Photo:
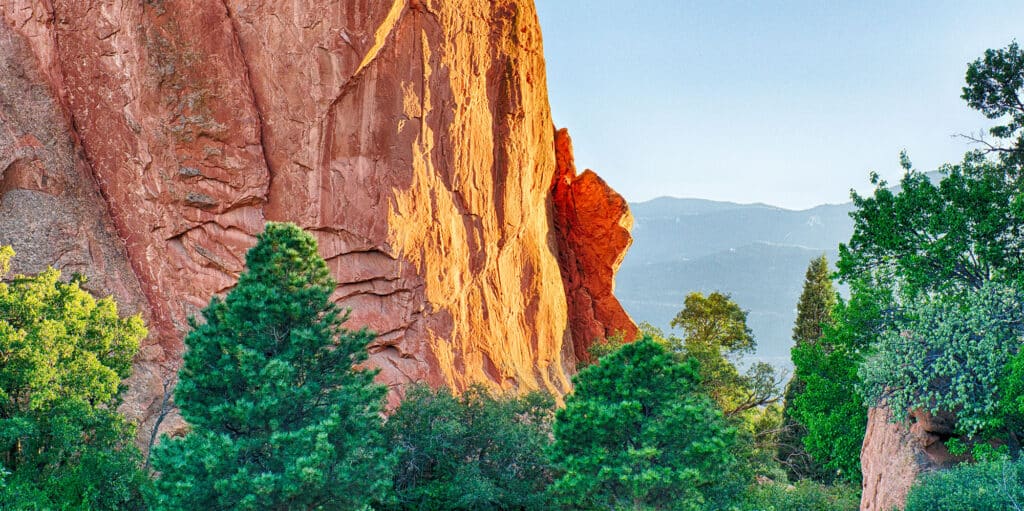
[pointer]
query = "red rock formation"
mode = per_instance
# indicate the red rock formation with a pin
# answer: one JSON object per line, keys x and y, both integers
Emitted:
{"x": 895, "y": 453}
{"x": 593, "y": 223}
{"x": 413, "y": 137}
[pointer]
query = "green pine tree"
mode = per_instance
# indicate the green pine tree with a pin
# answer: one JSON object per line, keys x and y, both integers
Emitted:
{"x": 281, "y": 418}
{"x": 640, "y": 433}
{"x": 63, "y": 355}
{"x": 814, "y": 311}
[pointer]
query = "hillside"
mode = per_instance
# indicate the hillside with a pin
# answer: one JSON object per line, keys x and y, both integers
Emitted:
{"x": 756, "y": 252}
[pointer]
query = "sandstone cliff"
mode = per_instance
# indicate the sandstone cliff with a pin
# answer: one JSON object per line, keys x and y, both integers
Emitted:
{"x": 145, "y": 143}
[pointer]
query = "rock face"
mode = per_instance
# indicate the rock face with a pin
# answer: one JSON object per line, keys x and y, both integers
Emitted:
{"x": 145, "y": 144}
{"x": 894, "y": 454}
{"x": 593, "y": 223}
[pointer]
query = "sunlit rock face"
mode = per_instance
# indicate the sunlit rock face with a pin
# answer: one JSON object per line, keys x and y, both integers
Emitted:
{"x": 894, "y": 454}
{"x": 145, "y": 144}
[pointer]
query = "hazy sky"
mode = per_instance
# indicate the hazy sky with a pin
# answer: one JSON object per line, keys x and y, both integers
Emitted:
{"x": 789, "y": 103}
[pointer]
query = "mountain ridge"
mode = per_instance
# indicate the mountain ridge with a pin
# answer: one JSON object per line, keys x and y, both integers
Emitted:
{"x": 756, "y": 252}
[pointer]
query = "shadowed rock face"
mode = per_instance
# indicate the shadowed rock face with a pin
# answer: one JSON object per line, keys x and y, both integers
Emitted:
{"x": 144, "y": 144}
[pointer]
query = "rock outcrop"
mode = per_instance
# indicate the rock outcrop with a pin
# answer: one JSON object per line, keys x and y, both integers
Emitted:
{"x": 895, "y": 453}
{"x": 144, "y": 144}
{"x": 593, "y": 223}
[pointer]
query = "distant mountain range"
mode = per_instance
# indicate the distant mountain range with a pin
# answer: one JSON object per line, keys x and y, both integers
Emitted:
{"x": 755, "y": 252}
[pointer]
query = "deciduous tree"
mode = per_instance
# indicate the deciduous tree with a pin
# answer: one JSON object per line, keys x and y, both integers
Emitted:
{"x": 476, "y": 450}
{"x": 63, "y": 355}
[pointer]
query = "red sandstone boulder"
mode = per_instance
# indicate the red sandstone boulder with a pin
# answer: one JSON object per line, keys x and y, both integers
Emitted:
{"x": 894, "y": 454}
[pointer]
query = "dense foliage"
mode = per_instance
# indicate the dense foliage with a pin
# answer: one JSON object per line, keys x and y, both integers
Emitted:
{"x": 934, "y": 318}
{"x": 835, "y": 416}
{"x": 62, "y": 357}
{"x": 804, "y": 495}
{"x": 943, "y": 238}
{"x": 280, "y": 416}
{"x": 988, "y": 486}
{"x": 951, "y": 254}
{"x": 638, "y": 433}
{"x": 716, "y": 339}
{"x": 472, "y": 451}
{"x": 948, "y": 354}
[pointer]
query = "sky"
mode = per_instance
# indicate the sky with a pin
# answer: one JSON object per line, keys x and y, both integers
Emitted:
{"x": 786, "y": 102}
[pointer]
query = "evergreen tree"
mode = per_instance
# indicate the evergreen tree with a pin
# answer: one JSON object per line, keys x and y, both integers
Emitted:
{"x": 814, "y": 311}
{"x": 281, "y": 418}
{"x": 830, "y": 407}
{"x": 63, "y": 355}
{"x": 639, "y": 433}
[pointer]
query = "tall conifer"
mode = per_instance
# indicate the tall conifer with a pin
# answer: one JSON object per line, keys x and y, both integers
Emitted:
{"x": 280, "y": 416}
{"x": 814, "y": 311}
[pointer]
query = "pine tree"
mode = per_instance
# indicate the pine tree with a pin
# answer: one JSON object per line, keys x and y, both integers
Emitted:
{"x": 814, "y": 311}
{"x": 281, "y": 418}
{"x": 814, "y": 308}
{"x": 640, "y": 433}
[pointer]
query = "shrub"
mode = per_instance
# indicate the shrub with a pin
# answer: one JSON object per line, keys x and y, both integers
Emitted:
{"x": 988, "y": 486}
{"x": 803, "y": 496}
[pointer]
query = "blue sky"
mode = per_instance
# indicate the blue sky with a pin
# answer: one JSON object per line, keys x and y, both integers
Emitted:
{"x": 790, "y": 103}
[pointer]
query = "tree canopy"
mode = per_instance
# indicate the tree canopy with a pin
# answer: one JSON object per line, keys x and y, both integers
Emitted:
{"x": 63, "y": 355}
{"x": 994, "y": 85}
{"x": 716, "y": 335}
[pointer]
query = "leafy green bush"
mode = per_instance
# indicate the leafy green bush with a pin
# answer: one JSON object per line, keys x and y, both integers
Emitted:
{"x": 948, "y": 353}
{"x": 988, "y": 486}
{"x": 477, "y": 450}
{"x": 63, "y": 355}
{"x": 803, "y": 496}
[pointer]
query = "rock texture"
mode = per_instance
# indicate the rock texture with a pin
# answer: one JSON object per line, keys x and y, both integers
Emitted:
{"x": 593, "y": 223}
{"x": 895, "y": 453}
{"x": 146, "y": 143}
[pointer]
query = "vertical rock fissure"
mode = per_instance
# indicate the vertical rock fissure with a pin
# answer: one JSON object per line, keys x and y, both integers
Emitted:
{"x": 255, "y": 99}
{"x": 146, "y": 285}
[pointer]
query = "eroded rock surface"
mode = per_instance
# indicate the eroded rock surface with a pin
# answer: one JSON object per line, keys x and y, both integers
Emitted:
{"x": 593, "y": 224}
{"x": 413, "y": 137}
{"x": 894, "y": 454}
